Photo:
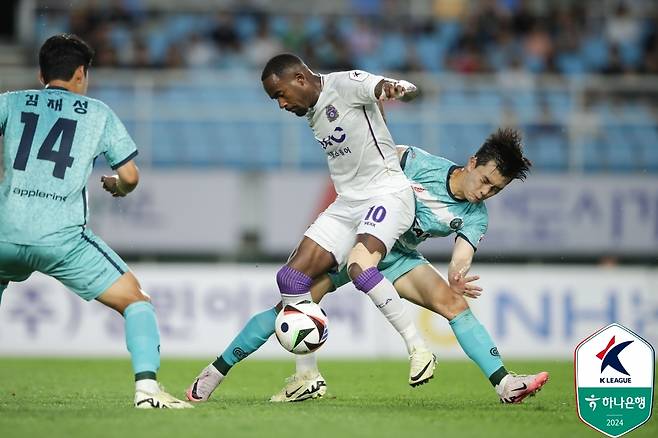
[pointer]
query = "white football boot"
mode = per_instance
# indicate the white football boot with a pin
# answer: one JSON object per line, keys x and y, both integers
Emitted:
{"x": 204, "y": 384}
{"x": 515, "y": 387}
{"x": 300, "y": 387}
{"x": 422, "y": 366}
{"x": 158, "y": 400}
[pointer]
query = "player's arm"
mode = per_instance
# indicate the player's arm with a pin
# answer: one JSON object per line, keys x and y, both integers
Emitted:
{"x": 400, "y": 149}
{"x": 388, "y": 89}
{"x": 460, "y": 264}
{"x": 125, "y": 180}
{"x": 380, "y": 105}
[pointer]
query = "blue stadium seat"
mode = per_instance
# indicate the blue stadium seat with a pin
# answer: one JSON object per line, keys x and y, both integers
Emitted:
{"x": 410, "y": 133}
{"x": 571, "y": 63}
{"x": 431, "y": 52}
{"x": 560, "y": 105}
{"x": 622, "y": 154}
{"x": 551, "y": 153}
{"x": 449, "y": 32}
{"x": 595, "y": 155}
{"x": 594, "y": 50}
{"x": 452, "y": 142}
{"x": 279, "y": 25}
{"x": 631, "y": 53}
{"x": 246, "y": 25}
{"x": 394, "y": 53}
{"x": 490, "y": 100}
{"x": 646, "y": 137}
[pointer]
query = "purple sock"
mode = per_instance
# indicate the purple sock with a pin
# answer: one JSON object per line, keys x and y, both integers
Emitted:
{"x": 368, "y": 279}
{"x": 293, "y": 282}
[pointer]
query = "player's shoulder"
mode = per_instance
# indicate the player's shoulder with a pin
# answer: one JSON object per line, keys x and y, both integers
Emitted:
{"x": 421, "y": 156}
{"x": 349, "y": 76}
{"x": 16, "y": 94}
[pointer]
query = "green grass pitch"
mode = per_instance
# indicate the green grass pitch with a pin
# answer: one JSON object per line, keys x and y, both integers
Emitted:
{"x": 92, "y": 398}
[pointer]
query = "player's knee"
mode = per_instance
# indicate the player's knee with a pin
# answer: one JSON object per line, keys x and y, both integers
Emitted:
{"x": 360, "y": 259}
{"x": 454, "y": 307}
{"x": 134, "y": 296}
{"x": 289, "y": 279}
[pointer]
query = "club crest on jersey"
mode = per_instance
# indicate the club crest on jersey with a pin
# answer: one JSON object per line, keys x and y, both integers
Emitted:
{"x": 331, "y": 112}
{"x": 456, "y": 223}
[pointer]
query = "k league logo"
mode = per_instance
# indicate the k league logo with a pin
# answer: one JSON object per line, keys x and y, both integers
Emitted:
{"x": 615, "y": 371}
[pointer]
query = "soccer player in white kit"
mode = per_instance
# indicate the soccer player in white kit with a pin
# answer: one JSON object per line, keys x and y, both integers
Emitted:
{"x": 375, "y": 203}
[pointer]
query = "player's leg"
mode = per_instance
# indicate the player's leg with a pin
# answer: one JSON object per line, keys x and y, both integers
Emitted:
{"x": 253, "y": 335}
{"x": 323, "y": 246}
{"x": 425, "y": 286}
{"x": 307, "y": 382}
{"x": 14, "y": 265}
{"x": 385, "y": 220}
{"x": 93, "y": 270}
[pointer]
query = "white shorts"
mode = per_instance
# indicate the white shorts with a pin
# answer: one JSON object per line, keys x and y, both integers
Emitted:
{"x": 385, "y": 217}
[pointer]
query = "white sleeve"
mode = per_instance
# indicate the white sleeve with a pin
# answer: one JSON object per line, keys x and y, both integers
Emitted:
{"x": 357, "y": 87}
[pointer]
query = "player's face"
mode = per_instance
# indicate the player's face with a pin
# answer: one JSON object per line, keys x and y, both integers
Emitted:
{"x": 291, "y": 91}
{"x": 482, "y": 182}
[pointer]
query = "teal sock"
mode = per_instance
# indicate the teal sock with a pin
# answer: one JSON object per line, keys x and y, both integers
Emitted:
{"x": 143, "y": 339}
{"x": 254, "y": 334}
{"x": 478, "y": 345}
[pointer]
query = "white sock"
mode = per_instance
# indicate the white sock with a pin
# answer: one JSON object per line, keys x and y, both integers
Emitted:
{"x": 292, "y": 299}
{"x": 387, "y": 300}
{"x": 306, "y": 363}
{"x": 148, "y": 386}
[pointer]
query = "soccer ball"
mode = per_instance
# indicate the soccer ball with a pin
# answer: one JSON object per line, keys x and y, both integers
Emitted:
{"x": 302, "y": 327}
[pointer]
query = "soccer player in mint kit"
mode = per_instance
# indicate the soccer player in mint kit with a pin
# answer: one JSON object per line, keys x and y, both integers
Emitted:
{"x": 51, "y": 139}
{"x": 449, "y": 200}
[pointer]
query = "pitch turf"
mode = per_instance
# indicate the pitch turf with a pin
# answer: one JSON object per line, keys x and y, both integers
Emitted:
{"x": 92, "y": 398}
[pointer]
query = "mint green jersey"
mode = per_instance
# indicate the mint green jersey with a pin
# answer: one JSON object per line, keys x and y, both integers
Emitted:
{"x": 438, "y": 212}
{"x": 51, "y": 138}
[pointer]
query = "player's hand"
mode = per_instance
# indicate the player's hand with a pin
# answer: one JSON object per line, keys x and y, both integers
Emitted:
{"x": 392, "y": 90}
{"x": 396, "y": 90}
{"x": 111, "y": 185}
{"x": 463, "y": 285}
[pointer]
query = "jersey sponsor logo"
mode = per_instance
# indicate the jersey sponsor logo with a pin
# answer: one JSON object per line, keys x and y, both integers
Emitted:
{"x": 339, "y": 153}
{"x": 36, "y": 193}
{"x": 456, "y": 223}
{"x": 331, "y": 112}
{"x": 338, "y": 136}
{"x": 358, "y": 75}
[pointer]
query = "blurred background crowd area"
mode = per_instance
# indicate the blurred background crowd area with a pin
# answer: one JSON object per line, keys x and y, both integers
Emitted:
{"x": 461, "y": 36}
{"x": 579, "y": 77}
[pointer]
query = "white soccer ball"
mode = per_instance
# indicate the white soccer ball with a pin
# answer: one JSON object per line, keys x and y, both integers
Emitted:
{"x": 302, "y": 327}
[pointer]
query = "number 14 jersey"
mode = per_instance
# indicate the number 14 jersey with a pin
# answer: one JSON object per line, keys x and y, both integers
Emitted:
{"x": 51, "y": 138}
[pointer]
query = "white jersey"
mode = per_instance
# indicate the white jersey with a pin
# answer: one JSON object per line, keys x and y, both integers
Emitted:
{"x": 347, "y": 123}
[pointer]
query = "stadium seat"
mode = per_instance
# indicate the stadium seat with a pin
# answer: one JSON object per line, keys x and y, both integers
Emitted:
{"x": 622, "y": 153}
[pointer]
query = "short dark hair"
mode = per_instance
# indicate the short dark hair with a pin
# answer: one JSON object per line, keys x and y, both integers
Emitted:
{"x": 505, "y": 148}
{"x": 61, "y": 55}
{"x": 280, "y": 63}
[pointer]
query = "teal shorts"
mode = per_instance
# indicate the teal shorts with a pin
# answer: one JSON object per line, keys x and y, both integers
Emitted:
{"x": 84, "y": 264}
{"x": 396, "y": 263}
